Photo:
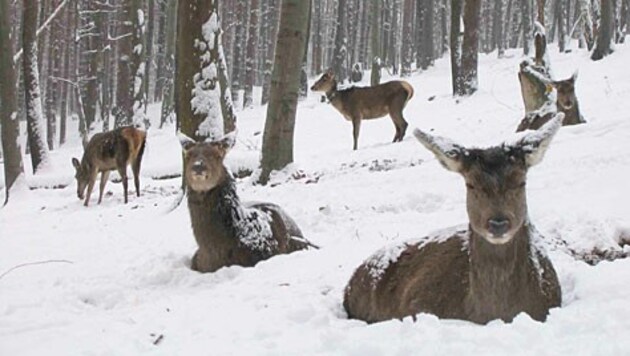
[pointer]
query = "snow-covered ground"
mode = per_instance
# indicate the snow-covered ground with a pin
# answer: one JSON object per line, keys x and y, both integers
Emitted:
{"x": 115, "y": 278}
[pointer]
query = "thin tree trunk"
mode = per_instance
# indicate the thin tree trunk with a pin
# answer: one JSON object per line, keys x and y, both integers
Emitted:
{"x": 168, "y": 95}
{"x": 456, "y": 47}
{"x": 277, "y": 150}
{"x": 34, "y": 114}
{"x": 9, "y": 124}
{"x": 250, "y": 59}
{"x": 527, "y": 25}
{"x": 339, "y": 66}
{"x": 603, "y": 45}
{"x": 470, "y": 47}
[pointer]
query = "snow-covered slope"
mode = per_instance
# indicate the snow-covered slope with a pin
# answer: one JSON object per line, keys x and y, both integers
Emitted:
{"x": 114, "y": 279}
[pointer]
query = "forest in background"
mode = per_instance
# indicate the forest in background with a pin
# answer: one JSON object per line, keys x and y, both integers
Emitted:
{"x": 103, "y": 62}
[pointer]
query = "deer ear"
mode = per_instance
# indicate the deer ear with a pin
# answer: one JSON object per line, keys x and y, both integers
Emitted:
{"x": 185, "y": 141}
{"x": 446, "y": 151}
{"x": 535, "y": 143}
{"x": 574, "y": 76}
{"x": 226, "y": 142}
{"x": 76, "y": 163}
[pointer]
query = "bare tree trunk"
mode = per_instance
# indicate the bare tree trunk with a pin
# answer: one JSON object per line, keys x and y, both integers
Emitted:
{"x": 123, "y": 112}
{"x": 603, "y": 46}
{"x": 250, "y": 59}
{"x": 470, "y": 47}
{"x": 9, "y": 124}
{"x": 339, "y": 66}
{"x": 138, "y": 62}
{"x": 34, "y": 115}
{"x": 277, "y": 150}
{"x": 497, "y": 28}
{"x": 272, "y": 24}
{"x": 407, "y": 41}
{"x": 526, "y": 7}
{"x": 238, "y": 53}
{"x": 168, "y": 95}
{"x": 227, "y": 107}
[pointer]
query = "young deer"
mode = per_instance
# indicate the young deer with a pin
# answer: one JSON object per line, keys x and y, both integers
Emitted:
{"x": 105, "y": 152}
{"x": 364, "y": 103}
{"x": 227, "y": 231}
{"x": 494, "y": 269}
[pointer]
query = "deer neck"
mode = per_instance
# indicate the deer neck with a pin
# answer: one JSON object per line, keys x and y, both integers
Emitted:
{"x": 332, "y": 93}
{"x": 499, "y": 275}
{"x": 211, "y": 212}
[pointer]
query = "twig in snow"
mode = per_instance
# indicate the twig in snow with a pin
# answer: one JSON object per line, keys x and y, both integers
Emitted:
{"x": 32, "y": 264}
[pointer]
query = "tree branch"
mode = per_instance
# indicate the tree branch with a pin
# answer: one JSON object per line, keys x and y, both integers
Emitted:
{"x": 41, "y": 29}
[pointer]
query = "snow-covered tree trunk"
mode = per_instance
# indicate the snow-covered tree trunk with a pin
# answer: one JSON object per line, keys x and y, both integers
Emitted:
{"x": 456, "y": 46}
{"x": 33, "y": 100}
{"x": 497, "y": 28}
{"x": 271, "y": 23}
{"x": 277, "y": 150}
{"x": 124, "y": 112}
{"x": 197, "y": 89}
{"x": 9, "y": 124}
{"x": 227, "y": 107}
{"x": 339, "y": 65}
{"x": 138, "y": 63}
{"x": 526, "y": 7}
{"x": 168, "y": 94}
{"x": 239, "y": 52}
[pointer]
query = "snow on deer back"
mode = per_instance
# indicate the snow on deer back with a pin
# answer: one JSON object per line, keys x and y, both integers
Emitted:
{"x": 227, "y": 231}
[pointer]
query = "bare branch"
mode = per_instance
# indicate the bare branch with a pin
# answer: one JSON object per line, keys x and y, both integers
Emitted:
{"x": 41, "y": 28}
{"x": 33, "y": 264}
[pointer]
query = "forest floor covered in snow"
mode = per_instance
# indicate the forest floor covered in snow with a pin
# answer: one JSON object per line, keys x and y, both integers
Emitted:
{"x": 116, "y": 278}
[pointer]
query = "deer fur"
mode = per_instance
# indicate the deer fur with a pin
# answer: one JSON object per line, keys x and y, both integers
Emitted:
{"x": 229, "y": 232}
{"x": 108, "y": 151}
{"x": 365, "y": 103}
{"x": 495, "y": 268}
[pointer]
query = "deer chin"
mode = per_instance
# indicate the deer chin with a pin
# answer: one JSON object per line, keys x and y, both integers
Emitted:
{"x": 201, "y": 182}
{"x": 498, "y": 240}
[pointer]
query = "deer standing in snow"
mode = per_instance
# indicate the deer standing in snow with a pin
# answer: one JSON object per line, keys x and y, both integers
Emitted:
{"x": 108, "y": 151}
{"x": 494, "y": 269}
{"x": 227, "y": 231}
{"x": 364, "y": 103}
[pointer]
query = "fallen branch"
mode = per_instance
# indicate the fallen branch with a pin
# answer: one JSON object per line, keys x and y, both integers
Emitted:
{"x": 32, "y": 264}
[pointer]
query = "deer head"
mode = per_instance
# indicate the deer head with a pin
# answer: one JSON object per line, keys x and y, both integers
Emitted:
{"x": 82, "y": 176}
{"x": 203, "y": 161}
{"x": 566, "y": 92}
{"x": 495, "y": 178}
{"x": 326, "y": 83}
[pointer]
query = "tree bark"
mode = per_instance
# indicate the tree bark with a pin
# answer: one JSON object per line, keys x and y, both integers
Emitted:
{"x": 168, "y": 94}
{"x": 341, "y": 44}
{"x": 9, "y": 124}
{"x": 526, "y": 7}
{"x": 123, "y": 112}
{"x": 604, "y": 35}
{"x": 137, "y": 17}
{"x": 456, "y": 47}
{"x": 470, "y": 47}
{"x": 33, "y": 100}
{"x": 197, "y": 91}
{"x": 277, "y": 150}
{"x": 250, "y": 59}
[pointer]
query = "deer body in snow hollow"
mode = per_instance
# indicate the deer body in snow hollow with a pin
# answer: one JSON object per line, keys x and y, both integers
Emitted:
{"x": 364, "y": 103}
{"x": 229, "y": 232}
{"x": 494, "y": 269}
{"x": 108, "y": 151}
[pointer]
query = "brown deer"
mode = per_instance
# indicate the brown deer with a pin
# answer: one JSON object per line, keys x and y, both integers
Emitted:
{"x": 364, "y": 103}
{"x": 227, "y": 231}
{"x": 566, "y": 102}
{"x": 105, "y": 152}
{"x": 494, "y": 269}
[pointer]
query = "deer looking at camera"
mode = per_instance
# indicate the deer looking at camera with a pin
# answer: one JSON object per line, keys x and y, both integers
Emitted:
{"x": 364, "y": 103}
{"x": 105, "y": 152}
{"x": 227, "y": 231}
{"x": 494, "y": 269}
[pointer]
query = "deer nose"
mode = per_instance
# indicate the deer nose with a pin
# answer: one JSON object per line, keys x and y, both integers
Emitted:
{"x": 198, "y": 167}
{"x": 498, "y": 226}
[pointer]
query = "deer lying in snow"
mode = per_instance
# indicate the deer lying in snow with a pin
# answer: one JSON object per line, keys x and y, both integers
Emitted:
{"x": 105, "y": 152}
{"x": 227, "y": 231}
{"x": 494, "y": 269}
{"x": 364, "y": 103}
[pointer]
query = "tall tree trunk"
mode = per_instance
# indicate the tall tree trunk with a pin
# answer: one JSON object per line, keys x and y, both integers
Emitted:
{"x": 34, "y": 114}
{"x": 526, "y": 7}
{"x": 238, "y": 53}
{"x": 339, "y": 66}
{"x": 250, "y": 59}
{"x": 123, "y": 112}
{"x": 426, "y": 49}
{"x": 272, "y": 25}
{"x": 168, "y": 95}
{"x": 604, "y": 35}
{"x": 227, "y": 107}
{"x": 149, "y": 54}
{"x": 407, "y": 40}
{"x": 9, "y": 124}
{"x": 277, "y": 149}
{"x": 559, "y": 21}
{"x": 197, "y": 92}
{"x": 497, "y": 28}
{"x": 456, "y": 47}
{"x": 138, "y": 63}
{"x": 470, "y": 47}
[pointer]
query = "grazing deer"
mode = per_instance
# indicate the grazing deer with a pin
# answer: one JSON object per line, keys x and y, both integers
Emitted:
{"x": 364, "y": 103}
{"x": 494, "y": 269}
{"x": 227, "y": 231}
{"x": 105, "y": 152}
{"x": 566, "y": 102}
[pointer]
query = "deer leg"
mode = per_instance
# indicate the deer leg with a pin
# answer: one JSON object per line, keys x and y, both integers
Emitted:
{"x": 135, "y": 168}
{"x": 104, "y": 178}
{"x": 123, "y": 175}
{"x": 400, "y": 123}
{"x": 93, "y": 175}
{"x": 356, "y": 127}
